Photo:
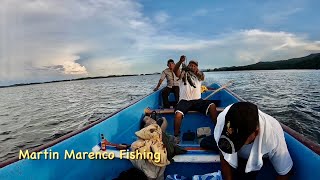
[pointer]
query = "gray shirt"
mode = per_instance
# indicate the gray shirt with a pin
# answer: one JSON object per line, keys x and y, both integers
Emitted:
{"x": 172, "y": 79}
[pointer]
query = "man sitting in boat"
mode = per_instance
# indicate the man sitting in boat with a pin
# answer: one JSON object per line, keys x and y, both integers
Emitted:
{"x": 190, "y": 79}
{"x": 172, "y": 84}
{"x": 247, "y": 137}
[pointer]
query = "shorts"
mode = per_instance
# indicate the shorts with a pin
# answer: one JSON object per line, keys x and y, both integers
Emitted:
{"x": 199, "y": 105}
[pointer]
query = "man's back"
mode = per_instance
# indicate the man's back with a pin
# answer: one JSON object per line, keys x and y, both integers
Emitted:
{"x": 244, "y": 133}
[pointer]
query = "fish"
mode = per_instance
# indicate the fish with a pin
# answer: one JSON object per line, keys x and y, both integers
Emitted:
{"x": 182, "y": 75}
{"x": 187, "y": 75}
{"x": 190, "y": 80}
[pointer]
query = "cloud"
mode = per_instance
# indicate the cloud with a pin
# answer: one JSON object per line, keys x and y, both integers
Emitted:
{"x": 36, "y": 35}
{"x": 281, "y": 12}
{"x": 187, "y": 46}
{"x": 200, "y": 12}
{"x": 74, "y": 68}
{"x": 47, "y": 40}
{"x": 116, "y": 66}
{"x": 161, "y": 17}
{"x": 244, "y": 47}
{"x": 280, "y": 16}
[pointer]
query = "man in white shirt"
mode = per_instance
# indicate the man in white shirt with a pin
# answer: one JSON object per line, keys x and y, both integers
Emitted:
{"x": 245, "y": 134}
{"x": 190, "y": 95}
{"x": 172, "y": 84}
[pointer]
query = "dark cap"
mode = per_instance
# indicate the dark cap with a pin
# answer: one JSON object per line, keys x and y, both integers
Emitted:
{"x": 194, "y": 62}
{"x": 241, "y": 120}
{"x": 170, "y": 60}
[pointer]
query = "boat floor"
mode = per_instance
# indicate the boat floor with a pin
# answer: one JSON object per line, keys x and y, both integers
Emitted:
{"x": 199, "y": 161}
{"x": 190, "y": 123}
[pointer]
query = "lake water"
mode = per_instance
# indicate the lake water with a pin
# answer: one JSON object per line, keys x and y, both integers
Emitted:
{"x": 33, "y": 115}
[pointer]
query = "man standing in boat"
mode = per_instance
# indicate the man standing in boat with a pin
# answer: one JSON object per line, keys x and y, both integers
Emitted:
{"x": 190, "y": 79}
{"x": 172, "y": 84}
{"x": 248, "y": 138}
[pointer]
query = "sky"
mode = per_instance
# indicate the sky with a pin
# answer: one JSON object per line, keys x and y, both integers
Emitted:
{"x": 44, "y": 40}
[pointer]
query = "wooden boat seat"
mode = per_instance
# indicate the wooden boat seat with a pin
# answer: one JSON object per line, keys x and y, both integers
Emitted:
{"x": 148, "y": 111}
{"x": 197, "y": 155}
{"x": 197, "y": 158}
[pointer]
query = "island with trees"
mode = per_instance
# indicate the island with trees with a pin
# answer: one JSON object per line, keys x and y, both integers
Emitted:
{"x": 311, "y": 61}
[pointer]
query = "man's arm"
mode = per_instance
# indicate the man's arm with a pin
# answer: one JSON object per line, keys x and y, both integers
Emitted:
{"x": 200, "y": 75}
{"x": 176, "y": 68}
{"x": 163, "y": 76}
{"x": 280, "y": 156}
{"x": 159, "y": 83}
{"x": 225, "y": 168}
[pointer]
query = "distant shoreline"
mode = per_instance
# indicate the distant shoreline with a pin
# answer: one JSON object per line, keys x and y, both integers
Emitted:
{"x": 310, "y": 62}
{"x": 111, "y": 76}
{"x": 216, "y": 70}
{"x": 77, "y": 79}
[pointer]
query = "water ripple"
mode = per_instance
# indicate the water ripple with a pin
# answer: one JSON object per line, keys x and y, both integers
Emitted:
{"x": 33, "y": 115}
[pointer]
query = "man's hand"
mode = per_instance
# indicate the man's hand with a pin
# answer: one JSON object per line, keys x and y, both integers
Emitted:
{"x": 196, "y": 72}
{"x": 199, "y": 74}
{"x": 158, "y": 85}
{"x": 182, "y": 58}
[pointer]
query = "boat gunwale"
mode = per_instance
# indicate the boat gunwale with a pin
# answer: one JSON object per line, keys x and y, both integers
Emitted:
{"x": 299, "y": 137}
{"x": 71, "y": 134}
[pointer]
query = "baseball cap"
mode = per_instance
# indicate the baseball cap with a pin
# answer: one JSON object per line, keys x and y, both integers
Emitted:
{"x": 194, "y": 62}
{"x": 241, "y": 120}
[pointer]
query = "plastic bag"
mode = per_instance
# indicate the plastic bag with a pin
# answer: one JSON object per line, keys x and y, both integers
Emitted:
{"x": 209, "y": 176}
{"x": 175, "y": 177}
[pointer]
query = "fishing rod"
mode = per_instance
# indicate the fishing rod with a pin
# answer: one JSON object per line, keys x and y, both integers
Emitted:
{"x": 219, "y": 89}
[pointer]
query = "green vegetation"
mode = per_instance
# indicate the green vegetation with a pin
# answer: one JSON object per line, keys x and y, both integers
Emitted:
{"x": 311, "y": 61}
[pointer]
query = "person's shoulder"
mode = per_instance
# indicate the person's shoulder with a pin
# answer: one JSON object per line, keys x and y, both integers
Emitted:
{"x": 274, "y": 123}
{"x": 165, "y": 70}
{"x": 277, "y": 133}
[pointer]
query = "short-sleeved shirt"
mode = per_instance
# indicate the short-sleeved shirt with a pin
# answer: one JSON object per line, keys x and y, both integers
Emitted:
{"x": 187, "y": 92}
{"x": 172, "y": 79}
{"x": 279, "y": 155}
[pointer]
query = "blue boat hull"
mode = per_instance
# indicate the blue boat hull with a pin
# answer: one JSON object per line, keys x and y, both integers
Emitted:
{"x": 120, "y": 128}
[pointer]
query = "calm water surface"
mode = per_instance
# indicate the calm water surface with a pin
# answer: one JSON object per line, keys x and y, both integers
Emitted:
{"x": 33, "y": 115}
